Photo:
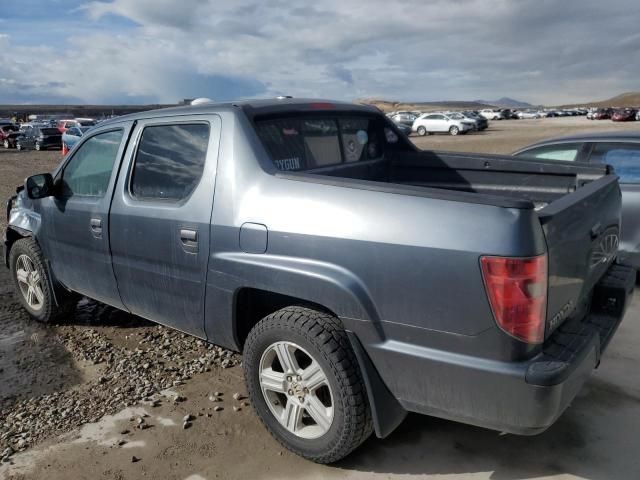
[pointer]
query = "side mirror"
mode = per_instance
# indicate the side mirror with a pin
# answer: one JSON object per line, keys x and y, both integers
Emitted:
{"x": 39, "y": 186}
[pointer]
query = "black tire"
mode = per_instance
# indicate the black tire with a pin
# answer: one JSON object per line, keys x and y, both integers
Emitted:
{"x": 324, "y": 338}
{"x": 49, "y": 310}
{"x": 422, "y": 131}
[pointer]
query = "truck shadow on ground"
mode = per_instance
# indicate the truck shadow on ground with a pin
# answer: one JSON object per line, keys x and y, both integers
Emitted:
{"x": 91, "y": 313}
{"x": 595, "y": 439}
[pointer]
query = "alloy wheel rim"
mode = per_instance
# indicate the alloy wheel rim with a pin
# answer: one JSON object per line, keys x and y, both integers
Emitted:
{"x": 296, "y": 390}
{"x": 29, "y": 282}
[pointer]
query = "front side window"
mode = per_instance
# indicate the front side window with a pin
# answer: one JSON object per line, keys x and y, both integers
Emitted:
{"x": 170, "y": 161}
{"x": 623, "y": 157}
{"x": 566, "y": 152}
{"x": 88, "y": 172}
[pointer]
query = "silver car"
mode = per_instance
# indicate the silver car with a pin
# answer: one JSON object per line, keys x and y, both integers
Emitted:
{"x": 622, "y": 152}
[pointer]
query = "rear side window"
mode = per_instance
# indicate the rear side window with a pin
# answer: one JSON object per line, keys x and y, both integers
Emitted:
{"x": 566, "y": 152}
{"x": 170, "y": 161}
{"x": 304, "y": 143}
{"x": 624, "y": 158}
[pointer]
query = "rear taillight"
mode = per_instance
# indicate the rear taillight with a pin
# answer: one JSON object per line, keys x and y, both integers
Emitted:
{"x": 517, "y": 291}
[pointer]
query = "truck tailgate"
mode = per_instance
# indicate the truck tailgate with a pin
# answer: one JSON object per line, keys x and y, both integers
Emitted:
{"x": 581, "y": 230}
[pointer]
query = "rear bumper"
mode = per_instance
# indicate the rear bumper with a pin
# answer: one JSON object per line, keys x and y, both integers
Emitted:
{"x": 516, "y": 397}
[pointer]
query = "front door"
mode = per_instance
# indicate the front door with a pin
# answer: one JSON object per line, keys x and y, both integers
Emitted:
{"x": 75, "y": 223}
{"x": 160, "y": 219}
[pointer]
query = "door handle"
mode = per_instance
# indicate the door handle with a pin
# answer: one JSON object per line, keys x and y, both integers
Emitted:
{"x": 96, "y": 227}
{"x": 188, "y": 237}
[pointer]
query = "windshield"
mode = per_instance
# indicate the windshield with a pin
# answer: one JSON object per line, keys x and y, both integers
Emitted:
{"x": 49, "y": 131}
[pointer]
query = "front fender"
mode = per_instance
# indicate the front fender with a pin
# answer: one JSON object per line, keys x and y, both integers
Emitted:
{"x": 22, "y": 222}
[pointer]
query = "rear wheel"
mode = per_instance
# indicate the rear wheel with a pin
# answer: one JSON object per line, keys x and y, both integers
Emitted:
{"x": 33, "y": 284}
{"x": 305, "y": 384}
{"x": 422, "y": 131}
{"x": 454, "y": 130}
{"x": 6, "y": 144}
{"x": 38, "y": 147}
{"x": 18, "y": 146}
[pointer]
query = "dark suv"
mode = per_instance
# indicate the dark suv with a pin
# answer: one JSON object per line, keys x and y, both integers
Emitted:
{"x": 40, "y": 138}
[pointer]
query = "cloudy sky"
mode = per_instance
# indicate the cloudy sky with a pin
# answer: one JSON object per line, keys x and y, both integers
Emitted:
{"x": 142, "y": 51}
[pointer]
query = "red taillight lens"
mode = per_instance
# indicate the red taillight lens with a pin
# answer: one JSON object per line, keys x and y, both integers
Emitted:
{"x": 517, "y": 291}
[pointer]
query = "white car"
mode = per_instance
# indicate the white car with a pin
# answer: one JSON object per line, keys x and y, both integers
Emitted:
{"x": 491, "y": 114}
{"x": 440, "y": 123}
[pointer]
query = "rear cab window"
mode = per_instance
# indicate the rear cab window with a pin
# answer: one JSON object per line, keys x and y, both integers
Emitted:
{"x": 315, "y": 141}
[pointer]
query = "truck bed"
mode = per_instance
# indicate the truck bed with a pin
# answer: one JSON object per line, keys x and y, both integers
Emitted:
{"x": 577, "y": 207}
{"x": 493, "y": 176}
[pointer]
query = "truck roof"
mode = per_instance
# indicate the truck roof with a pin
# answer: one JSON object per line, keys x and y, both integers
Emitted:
{"x": 251, "y": 107}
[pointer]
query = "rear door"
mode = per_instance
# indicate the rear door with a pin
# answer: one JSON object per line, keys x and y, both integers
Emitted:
{"x": 160, "y": 219}
{"x": 75, "y": 227}
{"x": 625, "y": 159}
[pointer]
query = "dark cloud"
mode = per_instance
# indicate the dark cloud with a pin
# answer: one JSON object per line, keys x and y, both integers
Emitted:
{"x": 543, "y": 51}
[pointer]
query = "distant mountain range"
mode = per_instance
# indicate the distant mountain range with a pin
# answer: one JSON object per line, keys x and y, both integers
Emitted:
{"x": 506, "y": 102}
{"x": 628, "y": 99}
{"x": 390, "y": 106}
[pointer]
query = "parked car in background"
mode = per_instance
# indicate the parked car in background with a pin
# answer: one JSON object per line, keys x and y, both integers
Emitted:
{"x": 602, "y": 114}
{"x": 361, "y": 277}
{"x": 8, "y": 134}
{"x": 403, "y": 117}
{"x": 39, "y": 138}
{"x": 621, "y": 150}
{"x": 71, "y": 137}
{"x": 404, "y": 128}
{"x": 528, "y": 114}
{"x": 64, "y": 124}
{"x": 441, "y": 123}
{"x": 624, "y": 115}
{"x": 481, "y": 122}
{"x": 492, "y": 114}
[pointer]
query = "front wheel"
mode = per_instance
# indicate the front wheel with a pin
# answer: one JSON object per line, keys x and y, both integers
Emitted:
{"x": 305, "y": 384}
{"x": 422, "y": 131}
{"x": 454, "y": 130}
{"x": 38, "y": 147}
{"x": 18, "y": 146}
{"x": 33, "y": 285}
{"x": 6, "y": 144}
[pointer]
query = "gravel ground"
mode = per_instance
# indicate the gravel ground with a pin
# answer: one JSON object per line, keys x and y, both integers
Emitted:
{"x": 105, "y": 394}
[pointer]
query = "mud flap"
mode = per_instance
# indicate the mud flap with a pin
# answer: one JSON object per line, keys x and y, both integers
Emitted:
{"x": 386, "y": 411}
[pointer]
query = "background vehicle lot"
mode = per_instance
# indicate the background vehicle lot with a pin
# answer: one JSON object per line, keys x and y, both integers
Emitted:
{"x": 592, "y": 440}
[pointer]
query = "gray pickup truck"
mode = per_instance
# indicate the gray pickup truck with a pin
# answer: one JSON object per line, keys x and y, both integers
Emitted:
{"x": 360, "y": 277}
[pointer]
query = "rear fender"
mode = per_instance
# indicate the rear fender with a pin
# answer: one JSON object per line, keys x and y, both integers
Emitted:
{"x": 321, "y": 283}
